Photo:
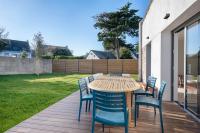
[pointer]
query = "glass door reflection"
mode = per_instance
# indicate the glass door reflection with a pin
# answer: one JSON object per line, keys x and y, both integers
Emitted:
{"x": 193, "y": 68}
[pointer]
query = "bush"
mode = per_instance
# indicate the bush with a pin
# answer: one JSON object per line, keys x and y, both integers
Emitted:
{"x": 62, "y": 57}
{"x": 68, "y": 57}
{"x": 47, "y": 57}
{"x": 125, "y": 53}
{"x": 24, "y": 54}
{"x": 62, "y": 52}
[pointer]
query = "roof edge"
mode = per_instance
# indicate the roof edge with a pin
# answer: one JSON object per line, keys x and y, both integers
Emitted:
{"x": 147, "y": 10}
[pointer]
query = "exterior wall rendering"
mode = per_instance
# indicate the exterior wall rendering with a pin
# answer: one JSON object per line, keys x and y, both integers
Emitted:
{"x": 156, "y": 30}
{"x": 91, "y": 55}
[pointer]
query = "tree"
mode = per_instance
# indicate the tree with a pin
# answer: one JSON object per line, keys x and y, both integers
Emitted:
{"x": 115, "y": 26}
{"x": 3, "y": 35}
{"x": 125, "y": 53}
{"x": 38, "y": 44}
{"x": 62, "y": 51}
{"x": 24, "y": 54}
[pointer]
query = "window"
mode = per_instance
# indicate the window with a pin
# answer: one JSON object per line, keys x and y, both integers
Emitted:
{"x": 6, "y": 54}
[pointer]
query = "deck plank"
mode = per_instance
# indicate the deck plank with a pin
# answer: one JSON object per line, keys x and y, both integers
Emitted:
{"x": 61, "y": 117}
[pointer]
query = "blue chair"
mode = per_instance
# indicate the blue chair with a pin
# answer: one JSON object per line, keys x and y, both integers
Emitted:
{"x": 84, "y": 95}
{"x": 151, "y": 82}
{"x": 153, "y": 102}
{"x": 109, "y": 108}
{"x": 91, "y": 78}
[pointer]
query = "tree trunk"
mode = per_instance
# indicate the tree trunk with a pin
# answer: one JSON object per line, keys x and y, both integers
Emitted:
{"x": 117, "y": 48}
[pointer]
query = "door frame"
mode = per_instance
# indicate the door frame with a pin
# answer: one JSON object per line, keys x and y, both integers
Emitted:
{"x": 183, "y": 26}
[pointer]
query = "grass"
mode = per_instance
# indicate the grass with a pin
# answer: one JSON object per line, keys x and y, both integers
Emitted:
{"x": 22, "y": 96}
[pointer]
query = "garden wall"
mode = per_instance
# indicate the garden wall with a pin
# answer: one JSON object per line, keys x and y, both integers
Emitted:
{"x": 95, "y": 66}
{"x": 9, "y": 65}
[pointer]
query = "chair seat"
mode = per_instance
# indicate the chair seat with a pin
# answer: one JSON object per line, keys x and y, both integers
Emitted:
{"x": 114, "y": 118}
{"x": 144, "y": 100}
{"x": 87, "y": 97}
{"x": 142, "y": 92}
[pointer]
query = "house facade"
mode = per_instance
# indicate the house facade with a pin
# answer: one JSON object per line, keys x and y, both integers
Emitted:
{"x": 170, "y": 50}
{"x": 94, "y": 54}
{"x": 14, "y": 48}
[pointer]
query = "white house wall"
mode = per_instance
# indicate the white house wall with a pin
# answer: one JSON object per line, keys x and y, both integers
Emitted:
{"x": 91, "y": 55}
{"x": 154, "y": 23}
{"x": 155, "y": 58}
{"x": 157, "y": 30}
{"x": 166, "y": 63}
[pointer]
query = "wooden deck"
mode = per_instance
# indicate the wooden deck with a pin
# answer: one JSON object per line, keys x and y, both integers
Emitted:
{"x": 62, "y": 118}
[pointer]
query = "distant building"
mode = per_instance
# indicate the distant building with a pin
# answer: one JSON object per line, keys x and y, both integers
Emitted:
{"x": 94, "y": 54}
{"x": 48, "y": 49}
{"x": 14, "y": 48}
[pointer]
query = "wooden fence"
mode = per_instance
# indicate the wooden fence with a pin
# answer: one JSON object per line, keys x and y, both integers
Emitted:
{"x": 95, "y": 66}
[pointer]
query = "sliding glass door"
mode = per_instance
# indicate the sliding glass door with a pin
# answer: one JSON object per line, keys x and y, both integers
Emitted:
{"x": 192, "y": 97}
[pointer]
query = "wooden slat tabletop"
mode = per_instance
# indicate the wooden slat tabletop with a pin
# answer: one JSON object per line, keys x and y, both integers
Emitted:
{"x": 114, "y": 84}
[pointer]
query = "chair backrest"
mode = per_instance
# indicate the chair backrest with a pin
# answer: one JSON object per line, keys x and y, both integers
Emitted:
{"x": 151, "y": 82}
{"x": 90, "y": 78}
{"x": 82, "y": 86}
{"x": 161, "y": 90}
{"x": 109, "y": 101}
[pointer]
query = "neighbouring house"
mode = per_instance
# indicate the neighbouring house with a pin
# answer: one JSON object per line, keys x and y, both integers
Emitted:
{"x": 169, "y": 49}
{"x": 48, "y": 49}
{"x": 94, "y": 54}
{"x": 14, "y": 48}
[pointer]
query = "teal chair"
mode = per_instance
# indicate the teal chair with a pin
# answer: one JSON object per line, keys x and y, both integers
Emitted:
{"x": 109, "y": 109}
{"x": 151, "y": 83}
{"x": 153, "y": 102}
{"x": 84, "y": 95}
{"x": 90, "y": 79}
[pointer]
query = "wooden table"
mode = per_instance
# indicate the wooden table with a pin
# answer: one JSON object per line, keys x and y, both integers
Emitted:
{"x": 117, "y": 84}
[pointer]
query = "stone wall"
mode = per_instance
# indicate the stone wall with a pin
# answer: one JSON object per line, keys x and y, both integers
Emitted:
{"x": 9, "y": 65}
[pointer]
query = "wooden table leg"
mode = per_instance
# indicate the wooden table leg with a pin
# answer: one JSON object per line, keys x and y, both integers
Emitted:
{"x": 128, "y": 101}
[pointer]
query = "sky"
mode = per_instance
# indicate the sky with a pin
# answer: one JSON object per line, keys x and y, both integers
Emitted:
{"x": 61, "y": 22}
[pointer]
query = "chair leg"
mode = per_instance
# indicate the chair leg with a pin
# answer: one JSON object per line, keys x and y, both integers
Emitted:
{"x": 79, "y": 115}
{"x": 86, "y": 105}
{"x": 154, "y": 110}
{"x": 138, "y": 110}
{"x": 161, "y": 120}
{"x": 89, "y": 105}
{"x": 135, "y": 112}
{"x": 127, "y": 122}
{"x": 131, "y": 100}
{"x": 126, "y": 129}
{"x": 93, "y": 123}
{"x": 103, "y": 127}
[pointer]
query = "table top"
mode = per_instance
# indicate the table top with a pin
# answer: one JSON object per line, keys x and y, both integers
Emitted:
{"x": 114, "y": 84}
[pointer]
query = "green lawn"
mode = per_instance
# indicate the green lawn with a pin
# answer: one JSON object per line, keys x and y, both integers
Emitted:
{"x": 21, "y": 96}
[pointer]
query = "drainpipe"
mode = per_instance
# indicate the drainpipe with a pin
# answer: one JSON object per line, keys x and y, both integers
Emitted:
{"x": 140, "y": 52}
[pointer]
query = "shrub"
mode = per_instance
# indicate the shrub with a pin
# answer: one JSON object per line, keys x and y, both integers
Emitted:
{"x": 68, "y": 57}
{"x": 47, "y": 57}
